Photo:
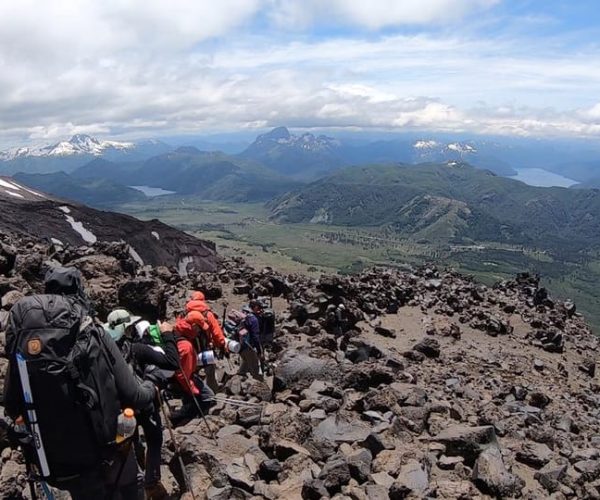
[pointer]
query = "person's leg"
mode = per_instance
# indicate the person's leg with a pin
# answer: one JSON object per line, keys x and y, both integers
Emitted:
{"x": 211, "y": 377}
{"x": 154, "y": 439}
{"x": 206, "y": 398}
{"x": 90, "y": 486}
{"x": 250, "y": 363}
{"x": 122, "y": 476}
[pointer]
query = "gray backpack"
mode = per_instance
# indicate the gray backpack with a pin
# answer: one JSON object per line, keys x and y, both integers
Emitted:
{"x": 61, "y": 381}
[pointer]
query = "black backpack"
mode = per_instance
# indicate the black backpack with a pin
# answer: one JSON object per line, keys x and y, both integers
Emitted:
{"x": 72, "y": 406}
{"x": 266, "y": 320}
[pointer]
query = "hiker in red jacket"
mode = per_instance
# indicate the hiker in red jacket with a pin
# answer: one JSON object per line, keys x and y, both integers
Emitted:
{"x": 192, "y": 386}
{"x": 210, "y": 339}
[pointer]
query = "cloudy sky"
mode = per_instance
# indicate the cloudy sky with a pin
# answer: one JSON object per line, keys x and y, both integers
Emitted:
{"x": 148, "y": 68}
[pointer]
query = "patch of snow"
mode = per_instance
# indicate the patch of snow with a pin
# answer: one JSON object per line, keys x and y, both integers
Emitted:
{"x": 31, "y": 191}
{"x": 135, "y": 256}
{"x": 156, "y": 235}
{"x": 77, "y": 226}
{"x": 9, "y": 185}
{"x": 461, "y": 148}
{"x": 65, "y": 209}
{"x": 183, "y": 264}
{"x": 16, "y": 195}
{"x": 57, "y": 241}
{"x": 425, "y": 144}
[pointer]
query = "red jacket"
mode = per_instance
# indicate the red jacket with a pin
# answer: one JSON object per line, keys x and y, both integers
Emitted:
{"x": 188, "y": 356}
{"x": 215, "y": 333}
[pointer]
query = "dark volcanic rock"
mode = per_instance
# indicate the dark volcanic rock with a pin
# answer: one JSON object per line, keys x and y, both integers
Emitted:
{"x": 300, "y": 368}
{"x": 467, "y": 442}
{"x": 143, "y": 296}
{"x": 491, "y": 476}
{"x": 429, "y": 347}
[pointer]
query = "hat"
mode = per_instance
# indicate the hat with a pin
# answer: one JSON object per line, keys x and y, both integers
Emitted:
{"x": 197, "y": 318}
{"x": 118, "y": 321}
{"x": 141, "y": 327}
{"x": 197, "y": 305}
{"x": 198, "y": 296}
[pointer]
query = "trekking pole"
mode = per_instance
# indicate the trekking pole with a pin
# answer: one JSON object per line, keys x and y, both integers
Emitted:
{"x": 198, "y": 407}
{"x": 166, "y": 411}
{"x": 30, "y": 480}
{"x": 225, "y": 305}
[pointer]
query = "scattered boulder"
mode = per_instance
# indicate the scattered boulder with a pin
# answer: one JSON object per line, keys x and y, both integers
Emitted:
{"x": 467, "y": 442}
{"x": 491, "y": 476}
{"x": 429, "y": 347}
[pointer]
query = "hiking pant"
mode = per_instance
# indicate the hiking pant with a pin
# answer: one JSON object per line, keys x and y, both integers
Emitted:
{"x": 211, "y": 377}
{"x": 99, "y": 483}
{"x": 250, "y": 363}
{"x": 153, "y": 432}
{"x": 206, "y": 398}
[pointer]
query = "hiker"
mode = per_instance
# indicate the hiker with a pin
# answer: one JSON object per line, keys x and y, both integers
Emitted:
{"x": 210, "y": 339}
{"x": 69, "y": 381}
{"x": 152, "y": 352}
{"x": 197, "y": 396}
{"x": 336, "y": 323}
{"x": 251, "y": 351}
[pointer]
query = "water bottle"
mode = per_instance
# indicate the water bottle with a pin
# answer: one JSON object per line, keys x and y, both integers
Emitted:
{"x": 20, "y": 425}
{"x": 206, "y": 358}
{"x": 126, "y": 424}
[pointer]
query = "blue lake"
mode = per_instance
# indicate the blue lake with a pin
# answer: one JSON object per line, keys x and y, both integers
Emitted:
{"x": 541, "y": 177}
{"x": 152, "y": 191}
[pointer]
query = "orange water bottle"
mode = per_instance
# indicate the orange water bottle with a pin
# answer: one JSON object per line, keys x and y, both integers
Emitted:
{"x": 126, "y": 424}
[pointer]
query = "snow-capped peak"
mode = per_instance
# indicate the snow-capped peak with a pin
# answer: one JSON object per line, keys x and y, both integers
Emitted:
{"x": 461, "y": 147}
{"x": 78, "y": 144}
{"x": 306, "y": 141}
{"x": 425, "y": 144}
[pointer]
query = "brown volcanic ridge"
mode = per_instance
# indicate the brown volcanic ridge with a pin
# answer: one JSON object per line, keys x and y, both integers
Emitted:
{"x": 427, "y": 385}
{"x": 24, "y": 211}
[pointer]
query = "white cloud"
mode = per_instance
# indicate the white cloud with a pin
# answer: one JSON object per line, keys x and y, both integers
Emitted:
{"x": 148, "y": 67}
{"x": 373, "y": 14}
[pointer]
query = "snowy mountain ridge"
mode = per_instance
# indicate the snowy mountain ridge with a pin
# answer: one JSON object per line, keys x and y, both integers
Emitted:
{"x": 79, "y": 144}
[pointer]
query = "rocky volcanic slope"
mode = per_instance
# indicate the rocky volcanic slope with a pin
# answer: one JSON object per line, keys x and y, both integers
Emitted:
{"x": 439, "y": 388}
{"x": 26, "y": 212}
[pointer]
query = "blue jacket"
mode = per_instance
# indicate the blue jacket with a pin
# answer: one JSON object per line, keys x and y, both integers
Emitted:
{"x": 252, "y": 324}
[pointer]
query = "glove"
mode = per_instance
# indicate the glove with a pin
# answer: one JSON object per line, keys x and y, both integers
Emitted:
{"x": 17, "y": 437}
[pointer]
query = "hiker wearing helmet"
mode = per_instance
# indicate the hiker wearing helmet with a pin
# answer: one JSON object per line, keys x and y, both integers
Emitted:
{"x": 251, "y": 351}
{"x": 209, "y": 338}
{"x": 197, "y": 396}
{"x": 152, "y": 352}
{"x": 73, "y": 412}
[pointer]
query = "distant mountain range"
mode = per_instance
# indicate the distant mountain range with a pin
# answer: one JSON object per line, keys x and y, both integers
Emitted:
{"x": 78, "y": 145}
{"x": 307, "y": 157}
{"x": 275, "y": 163}
{"x": 69, "y": 155}
{"x": 451, "y": 202}
{"x": 95, "y": 192}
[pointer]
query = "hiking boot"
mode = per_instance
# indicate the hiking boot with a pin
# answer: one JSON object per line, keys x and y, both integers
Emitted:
{"x": 156, "y": 491}
{"x": 187, "y": 412}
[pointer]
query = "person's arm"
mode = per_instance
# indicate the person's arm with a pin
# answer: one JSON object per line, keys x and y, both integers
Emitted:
{"x": 189, "y": 362}
{"x": 253, "y": 328}
{"x": 13, "y": 395}
{"x": 169, "y": 346}
{"x": 217, "y": 333}
{"x": 132, "y": 392}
